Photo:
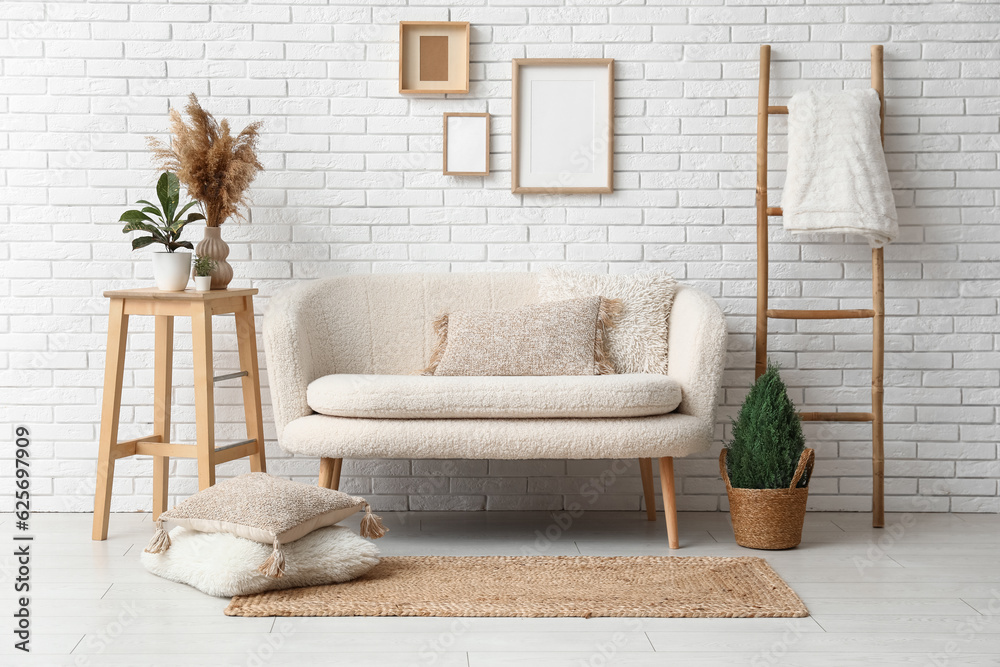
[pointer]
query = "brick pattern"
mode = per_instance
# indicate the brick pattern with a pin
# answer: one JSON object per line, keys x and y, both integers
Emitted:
{"x": 353, "y": 185}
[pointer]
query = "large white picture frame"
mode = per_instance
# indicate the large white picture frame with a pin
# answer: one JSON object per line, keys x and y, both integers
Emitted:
{"x": 562, "y": 125}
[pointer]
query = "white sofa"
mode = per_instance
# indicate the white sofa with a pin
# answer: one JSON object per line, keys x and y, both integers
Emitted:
{"x": 348, "y": 347}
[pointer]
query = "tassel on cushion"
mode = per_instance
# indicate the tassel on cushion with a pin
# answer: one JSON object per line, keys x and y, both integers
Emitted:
{"x": 160, "y": 541}
{"x": 441, "y": 332}
{"x": 371, "y": 525}
{"x": 609, "y": 311}
{"x": 274, "y": 566}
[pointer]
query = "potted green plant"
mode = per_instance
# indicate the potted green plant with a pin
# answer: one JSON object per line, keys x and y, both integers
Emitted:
{"x": 164, "y": 224}
{"x": 767, "y": 467}
{"x": 203, "y": 267}
{"x": 217, "y": 169}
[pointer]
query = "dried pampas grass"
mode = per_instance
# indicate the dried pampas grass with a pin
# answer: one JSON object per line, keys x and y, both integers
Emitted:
{"x": 216, "y": 167}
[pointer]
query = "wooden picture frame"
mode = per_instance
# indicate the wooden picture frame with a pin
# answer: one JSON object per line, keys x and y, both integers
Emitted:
{"x": 562, "y": 125}
{"x": 433, "y": 57}
{"x": 469, "y": 145}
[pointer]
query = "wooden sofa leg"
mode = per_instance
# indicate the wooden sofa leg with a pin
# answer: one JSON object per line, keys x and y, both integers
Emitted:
{"x": 329, "y": 473}
{"x": 646, "y": 472}
{"x": 669, "y": 501}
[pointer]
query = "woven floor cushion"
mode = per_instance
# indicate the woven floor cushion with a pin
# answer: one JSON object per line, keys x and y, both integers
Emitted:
{"x": 494, "y": 397}
{"x": 264, "y": 508}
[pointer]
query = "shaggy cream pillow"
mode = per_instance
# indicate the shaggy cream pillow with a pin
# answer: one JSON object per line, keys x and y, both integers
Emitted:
{"x": 265, "y": 509}
{"x": 222, "y": 564}
{"x": 638, "y": 342}
{"x": 568, "y": 337}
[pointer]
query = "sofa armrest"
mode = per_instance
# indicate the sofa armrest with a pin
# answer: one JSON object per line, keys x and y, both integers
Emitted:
{"x": 696, "y": 354}
{"x": 288, "y": 352}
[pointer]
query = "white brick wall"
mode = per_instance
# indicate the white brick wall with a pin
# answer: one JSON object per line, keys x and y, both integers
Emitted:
{"x": 353, "y": 184}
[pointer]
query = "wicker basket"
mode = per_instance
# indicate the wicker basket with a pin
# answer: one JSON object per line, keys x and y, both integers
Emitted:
{"x": 769, "y": 518}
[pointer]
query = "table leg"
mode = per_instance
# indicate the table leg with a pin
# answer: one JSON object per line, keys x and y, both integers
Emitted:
{"x": 114, "y": 372}
{"x": 162, "y": 385}
{"x": 204, "y": 392}
{"x": 246, "y": 337}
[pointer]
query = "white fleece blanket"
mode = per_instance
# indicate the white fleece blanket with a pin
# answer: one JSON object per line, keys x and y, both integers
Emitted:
{"x": 837, "y": 179}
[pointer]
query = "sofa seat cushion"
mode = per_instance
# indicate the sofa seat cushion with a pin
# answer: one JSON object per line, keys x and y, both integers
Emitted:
{"x": 494, "y": 397}
{"x": 675, "y": 434}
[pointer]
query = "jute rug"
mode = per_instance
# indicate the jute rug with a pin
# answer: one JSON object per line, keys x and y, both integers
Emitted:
{"x": 538, "y": 586}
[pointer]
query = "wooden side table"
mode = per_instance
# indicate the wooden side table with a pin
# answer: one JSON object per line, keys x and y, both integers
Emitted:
{"x": 164, "y": 306}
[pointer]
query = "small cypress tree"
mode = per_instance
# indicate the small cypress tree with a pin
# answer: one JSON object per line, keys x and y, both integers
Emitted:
{"x": 767, "y": 437}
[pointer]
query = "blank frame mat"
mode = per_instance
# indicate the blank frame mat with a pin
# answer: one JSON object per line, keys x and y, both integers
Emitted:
{"x": 467, "y": 151}
{"x": 563, "y": 126}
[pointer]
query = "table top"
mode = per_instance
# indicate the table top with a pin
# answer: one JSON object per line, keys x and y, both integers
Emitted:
{"x": 154, "y": 294}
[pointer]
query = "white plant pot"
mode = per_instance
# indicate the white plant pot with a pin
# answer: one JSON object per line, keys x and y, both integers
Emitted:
{"x": 172, "y": 270}
{"x": 202, "y": 283}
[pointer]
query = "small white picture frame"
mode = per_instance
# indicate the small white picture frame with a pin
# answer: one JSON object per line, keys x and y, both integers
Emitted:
{"x": 466, "y": 144}
{"x": 563, "y": 125}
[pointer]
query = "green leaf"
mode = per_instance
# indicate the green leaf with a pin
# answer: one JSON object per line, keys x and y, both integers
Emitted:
{"x": 152, "y": 210}
{"x": 138, "y": 226}
{"x": 181, "y": 244}
{"x": 134, "y": 216}
{"x": 195, "y": 216}
{"x": 181, "y": 212}
{"x": 142, "y": 242}
{"x": 168, "y": 190}
{"x": 175, "y": 192}
{"x": 177, "y": 227}
{"x": 163, "y": 189}
{"x": 147, "y": 203}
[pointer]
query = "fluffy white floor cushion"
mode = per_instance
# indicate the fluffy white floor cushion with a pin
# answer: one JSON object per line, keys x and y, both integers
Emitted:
{"x": 224, "y": 565}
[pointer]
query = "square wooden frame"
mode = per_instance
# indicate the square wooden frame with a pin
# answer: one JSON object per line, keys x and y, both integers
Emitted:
{"x": 444, "y": 153}
{"x": 516, "y": 65}
{"x": 456, "y": 31}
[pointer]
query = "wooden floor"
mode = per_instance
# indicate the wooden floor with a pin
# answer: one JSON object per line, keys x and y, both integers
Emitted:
{"x": 923, "y": 591}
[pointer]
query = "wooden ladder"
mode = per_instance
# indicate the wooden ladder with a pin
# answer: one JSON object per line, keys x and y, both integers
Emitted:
{"x": 876, "y": 313}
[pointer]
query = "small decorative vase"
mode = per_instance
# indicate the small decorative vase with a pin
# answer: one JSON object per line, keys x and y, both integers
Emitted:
{"x": 171, "y": 270}
{"x": 202, "y": 283}
{"x": 213, "y": 246}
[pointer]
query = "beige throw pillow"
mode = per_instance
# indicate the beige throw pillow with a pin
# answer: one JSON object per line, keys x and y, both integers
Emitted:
{"x": 265, "y": 509}
{"x": 638, "y": 343}
{"x": 568, "y": 337}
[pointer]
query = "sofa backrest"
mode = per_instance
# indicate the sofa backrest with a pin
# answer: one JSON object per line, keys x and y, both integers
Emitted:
{"x": 382, "y": 324}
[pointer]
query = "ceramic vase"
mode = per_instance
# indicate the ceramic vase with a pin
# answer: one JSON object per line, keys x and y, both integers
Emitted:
{"x": 171, "y": 270}
{"x": 214, "y": 247}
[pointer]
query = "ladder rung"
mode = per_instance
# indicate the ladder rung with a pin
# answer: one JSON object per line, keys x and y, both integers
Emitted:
{"x": 780, "y": 110}
{"x": 774, "y": 210}
{"x": 836, "y": 416}
{"x": 850, "y": 314}
{"x": 228, "y": 376}
{"x": 235, "y": 444}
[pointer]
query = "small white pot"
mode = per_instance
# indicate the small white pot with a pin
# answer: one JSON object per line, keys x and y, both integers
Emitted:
{"x": 172, "y": 270}
{"x": 202, "y": 283}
